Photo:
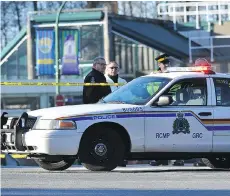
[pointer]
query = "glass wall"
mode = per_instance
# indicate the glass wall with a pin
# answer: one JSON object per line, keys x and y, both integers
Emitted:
{"x": 134, "y": 57}
{"x": 138, "y": 58}
{"x": 91, "y": 42}
{"x": 91, "y": 46}
{"x": 16, "y": 66}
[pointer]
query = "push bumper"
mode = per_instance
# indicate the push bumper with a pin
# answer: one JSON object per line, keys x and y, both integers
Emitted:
{"x": 23, "y": 139}
{"x": 12, "y": 131}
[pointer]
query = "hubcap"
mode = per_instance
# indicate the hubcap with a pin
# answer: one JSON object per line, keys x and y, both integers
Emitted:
{"x": 100, "y": 149}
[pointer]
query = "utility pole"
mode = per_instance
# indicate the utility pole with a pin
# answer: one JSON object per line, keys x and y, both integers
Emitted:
{"x": 30, "y": 63}
{"x": 106, "y": 35}
{"x": 56, "y": 49}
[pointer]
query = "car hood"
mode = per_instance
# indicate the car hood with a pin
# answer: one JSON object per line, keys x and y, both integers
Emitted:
{"x": 75, "y": 110}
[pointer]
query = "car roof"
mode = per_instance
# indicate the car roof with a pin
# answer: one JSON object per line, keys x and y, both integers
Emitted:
{"x": 174, "y": 75}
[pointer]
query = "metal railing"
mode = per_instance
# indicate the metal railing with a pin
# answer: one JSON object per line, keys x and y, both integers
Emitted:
{"x": 210, "y": 11}
{"x": 211, "y": 46}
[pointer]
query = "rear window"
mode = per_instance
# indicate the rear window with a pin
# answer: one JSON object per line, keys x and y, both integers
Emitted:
{"x": 222, "y": 89}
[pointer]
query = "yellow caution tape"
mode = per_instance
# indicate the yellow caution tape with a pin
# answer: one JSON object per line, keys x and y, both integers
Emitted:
{"x": 15, "y": 156}
{"x": 58, "y": 84}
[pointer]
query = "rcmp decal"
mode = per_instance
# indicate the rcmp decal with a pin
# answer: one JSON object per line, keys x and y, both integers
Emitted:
{"x": 162, "y": 135}
{"x": 197, "y": 135}
{"x": 181, "y": 124}
{"x": 134, "y": 109}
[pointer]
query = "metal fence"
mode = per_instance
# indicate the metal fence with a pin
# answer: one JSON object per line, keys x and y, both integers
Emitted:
{"x": 218, "y": 11}
{"x": 212, "y": 44}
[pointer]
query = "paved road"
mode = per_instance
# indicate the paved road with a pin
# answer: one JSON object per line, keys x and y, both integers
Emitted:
{"x": 141, "y": 181}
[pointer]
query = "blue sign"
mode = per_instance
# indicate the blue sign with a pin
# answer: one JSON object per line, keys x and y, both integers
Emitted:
{"x": 45, "y": 58}
{"x": 70, "y": 62}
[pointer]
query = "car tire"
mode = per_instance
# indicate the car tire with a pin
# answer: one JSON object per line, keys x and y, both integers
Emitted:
{"x": 101, "y": 149}
{"x": 217, "y": 163}
{"x": 55, "y": 165}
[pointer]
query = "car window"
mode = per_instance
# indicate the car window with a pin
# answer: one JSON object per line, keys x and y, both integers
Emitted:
{"x": 189, "y": 92}
{"x": 139, "y": 91}
{"x": 222, "y": 89}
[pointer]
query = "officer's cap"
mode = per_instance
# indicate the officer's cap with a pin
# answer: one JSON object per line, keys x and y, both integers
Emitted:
{"x": 163, "y": 59}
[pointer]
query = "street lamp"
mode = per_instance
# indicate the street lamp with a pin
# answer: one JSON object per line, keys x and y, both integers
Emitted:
{"x": 56, "y": 49}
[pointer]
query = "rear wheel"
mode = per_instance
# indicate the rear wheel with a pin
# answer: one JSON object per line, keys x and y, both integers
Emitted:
{"x": 221, "y": 163}
{"x": 55, "y": 165}
{"x": 101, "y": 149}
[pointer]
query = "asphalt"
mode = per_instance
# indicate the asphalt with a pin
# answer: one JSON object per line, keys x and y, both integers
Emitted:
{"x": 129, "y": 181}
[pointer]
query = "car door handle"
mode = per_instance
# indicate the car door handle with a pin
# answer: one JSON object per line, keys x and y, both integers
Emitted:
{"x": 205, "y": 114}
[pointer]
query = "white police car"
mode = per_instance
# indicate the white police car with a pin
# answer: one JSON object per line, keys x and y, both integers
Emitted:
{"x": 181, "y": 114}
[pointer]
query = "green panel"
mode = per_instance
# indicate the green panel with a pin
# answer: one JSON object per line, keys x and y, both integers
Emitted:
{"x": 67, "y": 17}
{"x": 13, "y": 43}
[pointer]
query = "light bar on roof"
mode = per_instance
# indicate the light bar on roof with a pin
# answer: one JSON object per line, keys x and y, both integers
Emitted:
{"x": 190, "y": 69}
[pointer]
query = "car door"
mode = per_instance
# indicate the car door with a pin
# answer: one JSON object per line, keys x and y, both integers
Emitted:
{"x": 221, "y": 103}
{"x": 185, "y": 125}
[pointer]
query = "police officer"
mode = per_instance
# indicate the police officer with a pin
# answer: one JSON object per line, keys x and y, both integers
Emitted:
{"x": 163, "y": 62}
{"x": 92, "y": 94}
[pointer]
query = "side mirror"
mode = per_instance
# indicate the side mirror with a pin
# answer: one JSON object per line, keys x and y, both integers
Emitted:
{"x": 164, "y": 100}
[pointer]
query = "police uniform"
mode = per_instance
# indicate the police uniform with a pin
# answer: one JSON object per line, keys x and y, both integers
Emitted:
{"x": 162, "y": 59}
{"x": 92, "y": 94}
{"x": 153, "y": 88}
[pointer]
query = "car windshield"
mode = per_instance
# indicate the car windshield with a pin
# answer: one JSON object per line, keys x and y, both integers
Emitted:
{"x": 138, "y": 92}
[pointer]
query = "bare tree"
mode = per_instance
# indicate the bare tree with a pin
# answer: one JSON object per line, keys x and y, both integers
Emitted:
{"x": 92, "y": 4}
{"x": 16, "y": 11}
{"x": 13, "y": 16}
{"x": 35, "y": 5}
{"x": 124, "y": 8}
{"x": 4, "y": 23}
{"x": 143, "y": 9}
{"x": 112, "y": 5}
{"x": 130, "y": 8}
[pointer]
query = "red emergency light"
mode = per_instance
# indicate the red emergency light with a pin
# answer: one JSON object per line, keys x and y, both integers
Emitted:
{"x": 202, "y": 62}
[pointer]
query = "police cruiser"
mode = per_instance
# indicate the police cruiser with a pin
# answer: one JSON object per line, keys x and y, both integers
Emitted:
{"x": 183, "y": 113}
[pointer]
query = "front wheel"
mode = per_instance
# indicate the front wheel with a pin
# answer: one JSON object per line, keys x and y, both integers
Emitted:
{"x": 217, "y": 163}
{"x": 101, "y": 149}
{"x": 55, "y": 165}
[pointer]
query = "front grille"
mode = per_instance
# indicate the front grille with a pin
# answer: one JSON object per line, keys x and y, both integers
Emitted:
{"x": 30, "y": 122}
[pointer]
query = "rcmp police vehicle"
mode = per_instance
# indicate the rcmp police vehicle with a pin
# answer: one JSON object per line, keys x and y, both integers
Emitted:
{"x": 181, "y": 114}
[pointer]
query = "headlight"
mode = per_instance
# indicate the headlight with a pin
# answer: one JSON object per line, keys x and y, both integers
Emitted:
{"x": 55, "y": 124}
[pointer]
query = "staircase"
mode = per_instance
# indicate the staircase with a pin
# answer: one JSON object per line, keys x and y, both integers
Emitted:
{"x": 200, "y": 23}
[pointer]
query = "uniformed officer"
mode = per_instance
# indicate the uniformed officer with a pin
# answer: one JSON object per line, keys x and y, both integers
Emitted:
{"x": 92, "y": 94}
{"x": 163, "y": 62}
